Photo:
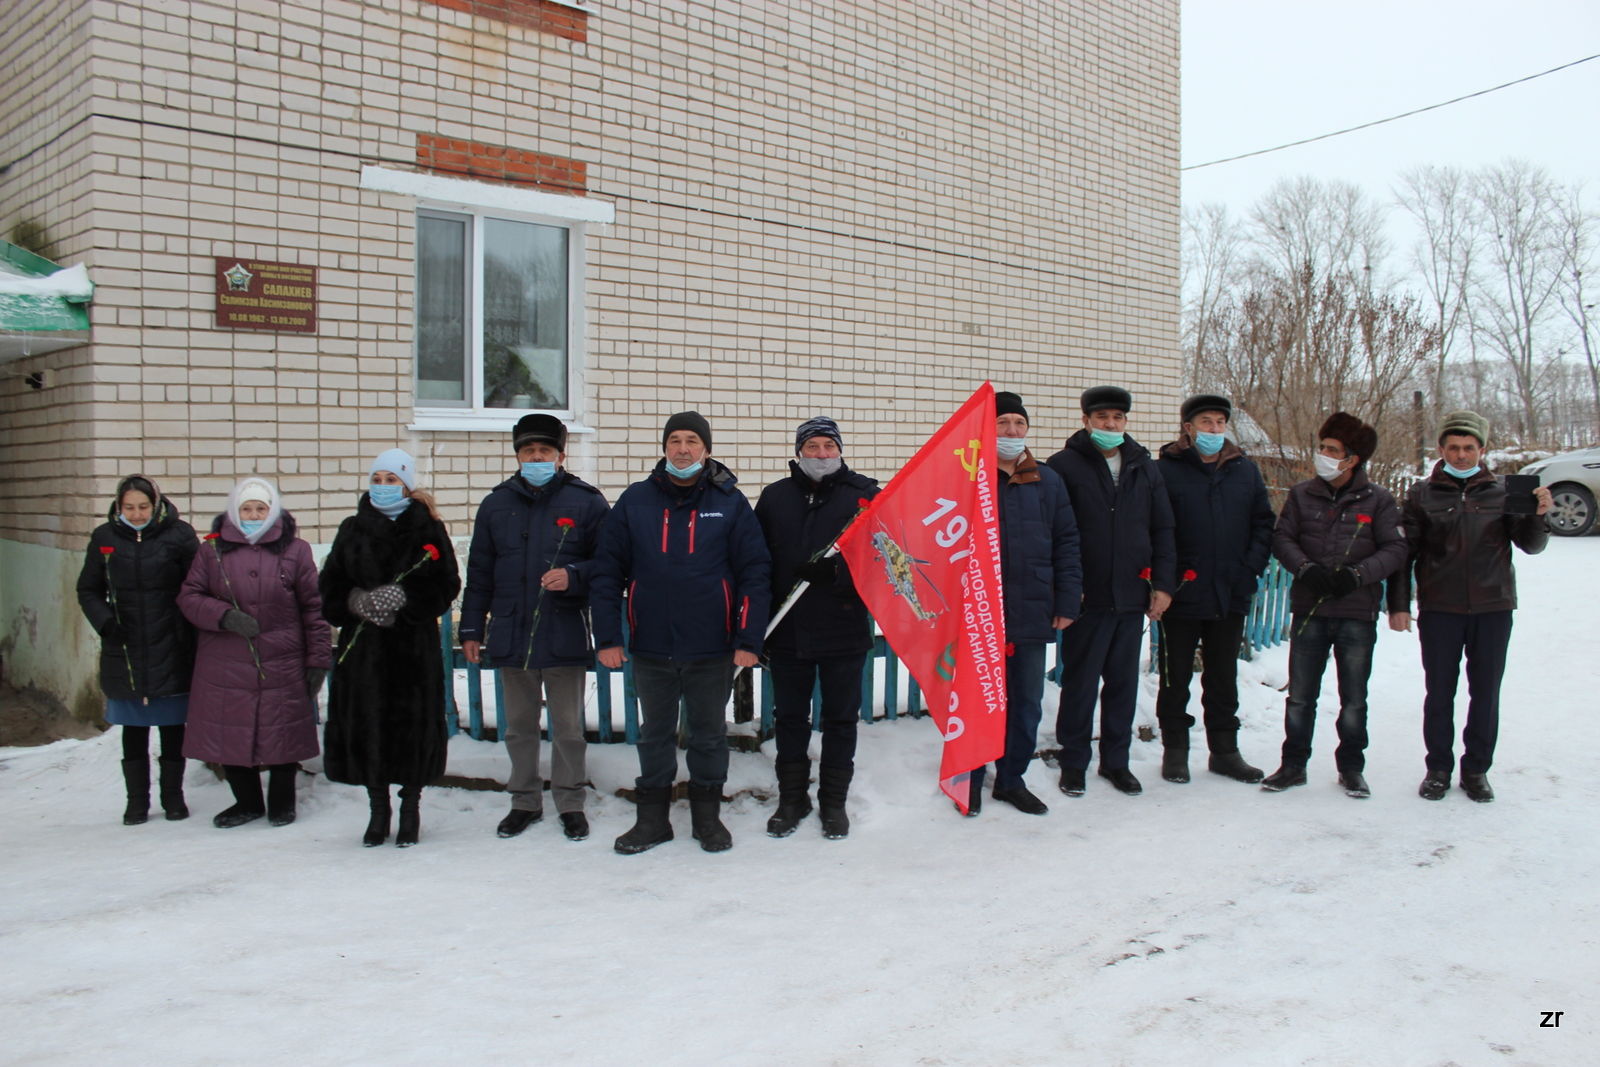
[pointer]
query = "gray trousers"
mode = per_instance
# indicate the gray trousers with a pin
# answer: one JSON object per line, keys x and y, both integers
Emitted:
{"x": 563, "y": 687}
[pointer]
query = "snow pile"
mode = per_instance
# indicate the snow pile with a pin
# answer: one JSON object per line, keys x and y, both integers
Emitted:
{"x": 70, "y": 283}
{"x": 1204, "y": 923}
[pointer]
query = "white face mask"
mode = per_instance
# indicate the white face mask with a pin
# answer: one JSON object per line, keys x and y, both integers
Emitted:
{"x": 1010, "y": 447}
{"x": 1327, "y": 467}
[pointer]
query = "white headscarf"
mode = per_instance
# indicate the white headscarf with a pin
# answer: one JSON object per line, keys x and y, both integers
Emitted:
{"x": 254, "y": 487}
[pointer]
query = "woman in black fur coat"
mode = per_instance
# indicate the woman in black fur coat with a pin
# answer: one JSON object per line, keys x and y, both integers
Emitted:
{"x": 389, "y": 576}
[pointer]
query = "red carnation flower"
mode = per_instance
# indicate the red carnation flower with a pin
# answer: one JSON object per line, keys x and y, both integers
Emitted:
{"x": 1011, "y": 649}
{"x": 106, "y": 550}
{"x": 862, "y": 503}
{"x": 565, "y": 522}
{"x": 1189, "y": 576}
{"x": 1363, "y": 519}
{"x": 433, "y": 553}
{"x": 1145, "y": 574}
{"x": 211, "y": 537}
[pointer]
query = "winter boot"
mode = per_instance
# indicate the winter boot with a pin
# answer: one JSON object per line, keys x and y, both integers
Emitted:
{"x": 794, "y": 798}
{"x": 136, "y": 776}
{"x": 247, "y": 803}
{"x": 1123, "y": 779}
{"x": 410, "y": 827}
{"x": 1355, "y": 784}
{"x": 705, "y": 806}
{"x": 1288, "y": 774}
{"x": 280, "y": 793}
{"x": 975, "y": 791}
{"x": 1477, "y": 787}
{"x": 172, "y": 768}
{"x": 652, "y": 823}
{"x": 1175, "y": 763}
{"x": 1232, "y": 765}
{"x": 378, "y": 826}
{"x": 1434, "y": 785}
{"x": 1071, "y": 782}
{"x": 833, "y": 786}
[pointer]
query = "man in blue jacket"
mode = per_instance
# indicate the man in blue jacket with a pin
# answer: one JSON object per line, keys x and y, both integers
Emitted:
{"x": 528, "y": 575}
{"x": 824, "y": 640}
{"x": 1223, "y": 532}
{"x": 1125, "y": 533}
{"x": 684, "y": 547}
{"x": 1042, "y": 574}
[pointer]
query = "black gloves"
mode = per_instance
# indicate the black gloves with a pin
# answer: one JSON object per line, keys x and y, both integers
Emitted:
{"x": 1317, "y": 579}
{"x": 238, "y": 622}
{"x": 377, "y": 606}
{"x": 1343, "y": 582}
{"x": 315, "y": 676}
{"x": 818, "y": 571}
{"x": 113, "y": 631}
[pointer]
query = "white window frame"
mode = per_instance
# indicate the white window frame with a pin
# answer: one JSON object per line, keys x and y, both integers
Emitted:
{"x": 480, "y": 200}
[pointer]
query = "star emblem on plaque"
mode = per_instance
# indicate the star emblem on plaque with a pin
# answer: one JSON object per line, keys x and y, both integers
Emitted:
{"x": 238, "y": 278}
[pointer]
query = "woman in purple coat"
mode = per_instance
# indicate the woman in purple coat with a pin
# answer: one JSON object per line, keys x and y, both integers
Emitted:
{"x": 263, "y": 653}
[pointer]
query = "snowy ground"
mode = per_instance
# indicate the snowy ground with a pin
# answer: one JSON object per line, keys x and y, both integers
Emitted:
{"x": 1206, "y": 923}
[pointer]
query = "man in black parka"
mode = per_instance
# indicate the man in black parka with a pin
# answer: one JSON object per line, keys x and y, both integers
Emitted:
{"x": 826, "y": 637}
{"x": 1125, "y": 533}
{"x": 1223, "y": 533}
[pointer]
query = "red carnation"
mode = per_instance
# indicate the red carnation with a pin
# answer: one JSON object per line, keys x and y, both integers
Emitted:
{"x": 433, "y": 553}
{"x": 210, "y": 537}
{"x": 106, "y": 550}
{"x": 1189, "y": 576}
{"x": 1363, "y": 519}
{"x": 1145, "y": 574}
{"x": 565, "y": 522}
{"x": 862, "y": 503}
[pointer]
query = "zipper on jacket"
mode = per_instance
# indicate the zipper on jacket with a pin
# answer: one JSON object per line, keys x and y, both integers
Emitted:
{"x": 666, "y": 515}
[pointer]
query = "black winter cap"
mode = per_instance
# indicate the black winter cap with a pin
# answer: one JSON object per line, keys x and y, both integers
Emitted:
{"x": 692, "y": 421}
{"x": 1010, "y": 404}
{"x": 1101, "y": 397}
{"x": 1206, "y": 402}
{"x": 546, "y": 428}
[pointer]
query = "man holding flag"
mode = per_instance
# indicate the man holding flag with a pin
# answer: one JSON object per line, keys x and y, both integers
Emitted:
{"x": 926, "y": 559}
{"x": 826, "y": 635}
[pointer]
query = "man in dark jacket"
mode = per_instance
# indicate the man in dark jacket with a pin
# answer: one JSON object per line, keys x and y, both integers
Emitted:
{"x": 528, "y": 575}
{"x": 825, "y": 638}
{"x": 686, "y": 548}
{"x": 1042, "y": 574}
{"x": 1460, "y": 536}
{"x": 1339, "y": 535}
{"x": 1223, "y": 530}
{"x": 1124, "y": 522}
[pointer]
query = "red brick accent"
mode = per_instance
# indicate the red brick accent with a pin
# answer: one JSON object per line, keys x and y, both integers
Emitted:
{"x": 539, "y": 15}
{"x": 496, "y": 163}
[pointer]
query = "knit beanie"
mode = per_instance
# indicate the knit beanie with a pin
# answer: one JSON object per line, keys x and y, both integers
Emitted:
{"x": 1102, "y": 397}
{"x": 397, "y": 462}
{"x": 1010, "y": 404}
{"x": 1356, "y": 436}
{"x": 1467, "y": 422}
{"x": 817, "y": 426}
{"x": 692, "y": 421}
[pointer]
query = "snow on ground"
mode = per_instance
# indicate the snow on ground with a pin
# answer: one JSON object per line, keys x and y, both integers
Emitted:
{"x": 1205, "y": 923}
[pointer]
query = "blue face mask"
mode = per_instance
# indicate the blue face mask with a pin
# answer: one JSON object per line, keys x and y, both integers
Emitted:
{"x": 1463, "y": 474}
{"x": 1209, "y": 444}
{"x": 1107, "y": 439}
{"x": 389, "y": 499}
{"x": 683, "y": 472}
{"x": 251, "y": 527}
{"x": 132, "y": 525}
{"x": 1010, "y": 447}
{"x": 538, "y": 473}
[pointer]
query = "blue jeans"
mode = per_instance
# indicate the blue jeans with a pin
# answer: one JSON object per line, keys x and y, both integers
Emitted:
{"x": 1350, "y": 641}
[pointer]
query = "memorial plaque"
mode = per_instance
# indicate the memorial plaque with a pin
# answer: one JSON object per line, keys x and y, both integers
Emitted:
{"x": 253, "y": 294}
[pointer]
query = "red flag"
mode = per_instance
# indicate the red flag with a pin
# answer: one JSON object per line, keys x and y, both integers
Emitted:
{"x": 925, "y": 555}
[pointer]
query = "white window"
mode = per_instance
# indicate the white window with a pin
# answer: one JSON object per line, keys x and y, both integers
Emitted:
{"x": 499, "y": 326}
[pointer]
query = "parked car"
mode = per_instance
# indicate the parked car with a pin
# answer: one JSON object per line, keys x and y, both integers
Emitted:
{"x": 1573, "y": 479}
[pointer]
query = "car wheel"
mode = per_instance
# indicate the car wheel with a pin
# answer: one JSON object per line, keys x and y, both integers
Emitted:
{"x": 1572, "y": 511}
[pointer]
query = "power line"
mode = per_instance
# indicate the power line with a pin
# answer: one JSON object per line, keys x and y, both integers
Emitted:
{"x": 1391, "y": 118}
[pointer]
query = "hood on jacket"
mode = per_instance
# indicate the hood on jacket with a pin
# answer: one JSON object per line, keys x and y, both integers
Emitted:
{"x": 280, "y": 529}
{"x": 715, "y": 474}
{"x": 274, "y": 506}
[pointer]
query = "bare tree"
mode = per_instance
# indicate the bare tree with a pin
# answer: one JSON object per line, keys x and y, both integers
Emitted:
{"x": 1440, "y": 201}
{"x": 1580, "y": 235}
{"x": 1330, "y": 226}
{"x": 1213, "y": 256}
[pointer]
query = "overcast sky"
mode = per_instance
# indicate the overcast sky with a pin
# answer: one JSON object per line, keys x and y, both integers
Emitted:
{"x": 1259, "y": 73}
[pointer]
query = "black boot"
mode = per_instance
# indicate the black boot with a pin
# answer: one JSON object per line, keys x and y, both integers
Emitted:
{"x": 247, "y": 803}
{"x": 280, "y": 793}
{"x": 136, "y": 776}
{"x": 705, "y": 808}
{"x": 1477, "y": 787}
{"x": 378, "y": 826}
{"x": 1232, "y": 765}
{"x": 1175, "y": 763}
{"x": 410, "y": 827}
{"x": 1434, "y": 785}
{"x": 794, "y": 798}
{"x": 833, "y": 786}
{"x": 1355, "y": 784}
{"x": 975, "y": 791}
{"x": 172, "y": 768}
{"x": 652, "y": 823}
{"x": 1287, "y": 775}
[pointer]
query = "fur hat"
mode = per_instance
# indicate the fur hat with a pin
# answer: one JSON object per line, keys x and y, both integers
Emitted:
{"x": 1356, "y": 436}
{"x": 1205, "y": 402}
{"x": 540, "y": 427}
{"x": 1465, "y": 422}
{"x": 692, "y": 421}
{"x": 1010, "y": 404}
{"x": 1101, "y": 397}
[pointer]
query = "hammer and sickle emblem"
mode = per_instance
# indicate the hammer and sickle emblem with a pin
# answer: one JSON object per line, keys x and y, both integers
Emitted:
{"x": 969, "y": 458}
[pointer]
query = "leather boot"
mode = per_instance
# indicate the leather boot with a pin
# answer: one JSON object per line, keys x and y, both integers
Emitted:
{"x": 280, "y": 793}
{"x": 1175, "y": 763}
{"x": 794, "y": 798}
{"x": 652, "y": 823}
{"x": 378, "y": 826}
{"x": 410, "y": 828}
{"x": 136, "y": 777}
{"x": 247, "y": 803}
{"x": 1287, "y": 776}
{"x": 1232, "y": 765}
{"x": 172, "y": 768}
{"x": 705, "y": 810}
{"x": 833, "y": 786}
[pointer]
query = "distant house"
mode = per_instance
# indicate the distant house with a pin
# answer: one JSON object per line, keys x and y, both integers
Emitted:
{"x": 319, "y": 228}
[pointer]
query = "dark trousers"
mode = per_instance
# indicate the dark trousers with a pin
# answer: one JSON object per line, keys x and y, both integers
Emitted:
{"x": 793, "y": 681}
{"x": 1350, "y": 641}
{"x": 1484, "y": 638}
{"x": 1101, "y": 645}
{"x": 702, "y": 688}
{"x": 1218, "y": 640}
{"x": 136, "y": 742}
{"x": 1024, "y": 691}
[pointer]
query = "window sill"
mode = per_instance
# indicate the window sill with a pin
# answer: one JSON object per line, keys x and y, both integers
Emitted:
{"x": 498, "y": 421}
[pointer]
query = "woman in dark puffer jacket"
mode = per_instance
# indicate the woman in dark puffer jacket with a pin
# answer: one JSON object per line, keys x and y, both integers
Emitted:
{"x": 128, "y": 590}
